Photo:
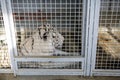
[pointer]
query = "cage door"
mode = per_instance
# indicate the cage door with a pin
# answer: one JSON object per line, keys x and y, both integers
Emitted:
{"x": 48, "y": 35}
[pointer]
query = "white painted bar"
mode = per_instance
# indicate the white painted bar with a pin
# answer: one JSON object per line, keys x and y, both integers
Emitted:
{"x": 90, "y": 32}
{"x": 84, "y": 31}
{"x": 50, "y": 72}
{"x": 11, "y": 24}
{"x": 50, "y": 59}
{"x": 104, "y": 70}
{"x": 86, "y": 35}
{"x": 6, "y": 71}
{"x": 95, "y": 34}
{"x": 106, "y": 73}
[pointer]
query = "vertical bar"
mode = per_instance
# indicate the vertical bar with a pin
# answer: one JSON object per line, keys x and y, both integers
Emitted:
{"x": 86, "y": 35}
{"x": 9, "y": 8}
{"x": 60, "y": 16}
{"x": 70, "y": 23}
{"x": 84, "y": 31}
{"x": 95, "y": 34}
{"x": 90, "y": 24}
{"x": 83, "y": 64}
{"x": 8, "y": 33}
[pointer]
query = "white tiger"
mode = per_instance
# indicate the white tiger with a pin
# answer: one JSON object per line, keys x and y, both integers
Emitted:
{"x": 43, "y": 42}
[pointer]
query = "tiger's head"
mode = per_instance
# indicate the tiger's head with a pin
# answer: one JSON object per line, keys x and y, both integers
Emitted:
{"x": 49, "y": 33}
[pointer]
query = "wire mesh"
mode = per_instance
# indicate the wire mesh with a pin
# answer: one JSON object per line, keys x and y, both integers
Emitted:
{"x": 4, "y": 57}
{"x": 108, "y": 47}
{"x": 64, "y": 15}
{"x": 49, "y": 65}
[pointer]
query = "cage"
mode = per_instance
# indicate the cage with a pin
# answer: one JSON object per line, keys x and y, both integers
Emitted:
{"x": 64, "y": 37}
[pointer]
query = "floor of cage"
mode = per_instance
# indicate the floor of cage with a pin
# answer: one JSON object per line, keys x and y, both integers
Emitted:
{"x": 11, "y": 77}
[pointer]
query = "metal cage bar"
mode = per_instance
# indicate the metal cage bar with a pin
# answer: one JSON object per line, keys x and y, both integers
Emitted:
{"x": 92, "y": 20}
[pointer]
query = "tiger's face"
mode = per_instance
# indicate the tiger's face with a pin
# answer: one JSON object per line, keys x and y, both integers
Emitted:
{"x": 49, "y": 33}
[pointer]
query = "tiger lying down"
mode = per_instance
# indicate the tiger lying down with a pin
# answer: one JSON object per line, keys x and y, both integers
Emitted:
{"x": 45, "y": 41}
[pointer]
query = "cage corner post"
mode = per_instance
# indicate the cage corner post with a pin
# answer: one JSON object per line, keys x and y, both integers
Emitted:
{"x": 89, "y": 27}
{"x": 92, "y": 21}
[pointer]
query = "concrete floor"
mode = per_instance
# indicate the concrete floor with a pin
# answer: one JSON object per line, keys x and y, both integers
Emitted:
{"x": 11, "y": 77}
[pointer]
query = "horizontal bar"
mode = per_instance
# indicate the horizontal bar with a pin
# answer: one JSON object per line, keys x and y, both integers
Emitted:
{"x": 6, "y": 71}
{"x": 104, "y": 73}
{"x": 53, "y": 59}
{"x": 104, "y": 70}
{"x": 49, "y": 72}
